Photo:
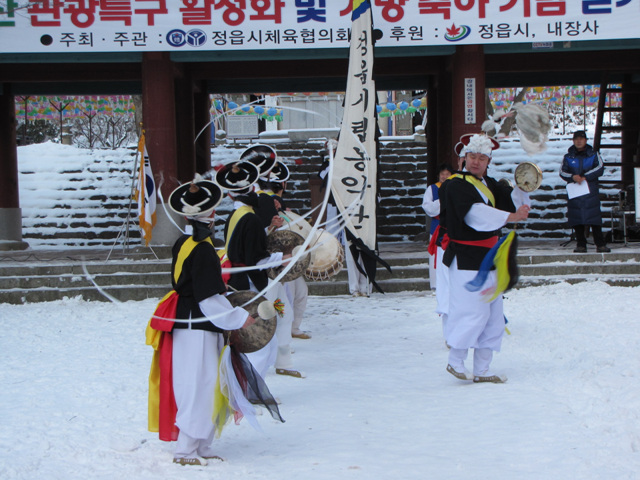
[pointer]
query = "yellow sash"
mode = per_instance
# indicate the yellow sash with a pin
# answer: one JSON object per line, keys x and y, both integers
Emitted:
{"x": 479, "y": 185}
{"x": 185, "y": 250}
{"x": 235, "y": 218}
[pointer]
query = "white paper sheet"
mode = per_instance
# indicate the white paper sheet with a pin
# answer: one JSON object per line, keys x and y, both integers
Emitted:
{"x": 577, "y": 189}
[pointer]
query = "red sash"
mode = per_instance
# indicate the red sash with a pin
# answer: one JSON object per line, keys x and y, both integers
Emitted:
{"x": 167, "y": 309}
{"x": 432, "y": 249}
{"x": 167, "y": 430}
{"x": 487, "y": 242}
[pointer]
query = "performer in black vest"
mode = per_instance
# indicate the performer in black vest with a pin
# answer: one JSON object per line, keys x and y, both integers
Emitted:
{"x": 246, "y": 241}
{"x": 189, "y": 353}
{"x": 474, "y": 208}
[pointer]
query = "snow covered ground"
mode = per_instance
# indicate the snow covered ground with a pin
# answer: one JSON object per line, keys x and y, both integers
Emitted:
{"x": 377, "y": 402}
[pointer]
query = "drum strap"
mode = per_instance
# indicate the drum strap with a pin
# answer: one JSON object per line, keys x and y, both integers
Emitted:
{"x": 235, "y": 218}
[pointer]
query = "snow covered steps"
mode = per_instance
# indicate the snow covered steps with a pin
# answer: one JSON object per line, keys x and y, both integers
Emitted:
{"x": 38, "y": 276}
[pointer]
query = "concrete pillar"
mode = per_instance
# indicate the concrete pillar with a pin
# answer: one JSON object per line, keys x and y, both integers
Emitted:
{"x": 67, "y": 137}
{"x": 10, "y": 212}
{"x": 468, "y": 63}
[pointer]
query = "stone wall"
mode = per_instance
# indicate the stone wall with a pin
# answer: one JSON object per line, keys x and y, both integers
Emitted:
{"x": 87, "y": 205}
{"x": 402, "y": 173}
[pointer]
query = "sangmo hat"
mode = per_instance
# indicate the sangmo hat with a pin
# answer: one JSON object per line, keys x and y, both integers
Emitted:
{"x": 279, "y": 173}
{"x": 237, "y": 176}
{"x": 195, "y": 199}
{"x": 478, "y": 143}
{"x": 262, "y": 156}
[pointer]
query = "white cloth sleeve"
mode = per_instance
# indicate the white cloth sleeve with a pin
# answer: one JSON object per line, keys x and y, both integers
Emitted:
{"x": 483, "y": 218}
{"x": 223, "y": 314}
{"x": 275, "y": 257}
{"x": 430, "y": 206}
{"x": 520, "y": 197}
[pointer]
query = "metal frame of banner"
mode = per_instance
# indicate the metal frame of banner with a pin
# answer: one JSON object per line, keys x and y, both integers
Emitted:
{"x": 127, "y": 221}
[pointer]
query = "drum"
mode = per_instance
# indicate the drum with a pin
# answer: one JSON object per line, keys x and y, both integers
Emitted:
{"x": 327, "y": 257}
{"x": 285, "y": 241}
{"x": 295, "y": 223}
{"x": 254, "y": 337}
{"x": 528, "y": 177}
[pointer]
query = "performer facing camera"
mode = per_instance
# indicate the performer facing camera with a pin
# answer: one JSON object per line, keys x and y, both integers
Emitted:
{"x": 474, "y": 208}
{"x": 186, "y": 332}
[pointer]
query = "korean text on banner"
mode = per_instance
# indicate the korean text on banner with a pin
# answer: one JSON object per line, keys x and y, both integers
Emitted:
{"x": 355, "y": 170}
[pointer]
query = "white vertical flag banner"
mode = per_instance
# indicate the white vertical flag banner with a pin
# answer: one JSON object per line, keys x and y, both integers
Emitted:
{"x": 355, "y": 169}
{"x": 354, "y": 182}
{"x": 146, "y": 193}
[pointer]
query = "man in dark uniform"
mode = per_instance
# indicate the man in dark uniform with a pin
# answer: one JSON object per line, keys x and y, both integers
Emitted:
{"x": 583, "y": 164}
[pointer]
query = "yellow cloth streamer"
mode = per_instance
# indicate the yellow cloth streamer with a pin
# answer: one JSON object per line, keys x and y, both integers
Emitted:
{"x": 153, "y": 338}
{"x": 222, "y": 411}
{"x": 501, "y": 261}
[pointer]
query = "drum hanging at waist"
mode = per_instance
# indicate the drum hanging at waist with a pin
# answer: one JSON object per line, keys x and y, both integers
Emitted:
{"x": 285, "y": 241}
{"x": 327, "y": 257}
{"x": 254, "y": 337}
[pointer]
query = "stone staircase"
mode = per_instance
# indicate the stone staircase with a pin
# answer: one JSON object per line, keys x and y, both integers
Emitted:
{"x": 140, "y": 273}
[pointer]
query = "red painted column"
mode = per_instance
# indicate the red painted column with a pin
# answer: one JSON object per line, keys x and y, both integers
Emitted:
{"x": 159, "y": 117}
{"x": 159, "y": 123}
{"x": 468, "y": 63}
{"x": 10, "y": 213}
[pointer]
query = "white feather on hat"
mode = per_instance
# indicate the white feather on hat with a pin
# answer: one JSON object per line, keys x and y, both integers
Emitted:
{"x": 533, "y": 125}
{"x": 480, "y": 143}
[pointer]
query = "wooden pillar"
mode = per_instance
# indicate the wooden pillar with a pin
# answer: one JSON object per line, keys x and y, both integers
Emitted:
{"x": 431, "y": 133}
{"x": 202, "y": 119}
{"x": 159, "y": 117}
{"x": 631, "y": 132}
{"x": 159, "y": 123}
{"x": 446, "y": 139}
{"x": 10, "y": 212}
{"x": 467, "y": 68}
{"x": 186, "y": 129}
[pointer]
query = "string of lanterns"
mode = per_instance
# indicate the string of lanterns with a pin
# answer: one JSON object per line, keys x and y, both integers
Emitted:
{"x": 401, "y": 108}
{"x": 266, "y": 113}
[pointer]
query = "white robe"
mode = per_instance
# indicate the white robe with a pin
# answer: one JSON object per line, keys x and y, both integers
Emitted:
{"x": 472, "y": 322}
{"x": 195, "y": 366}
